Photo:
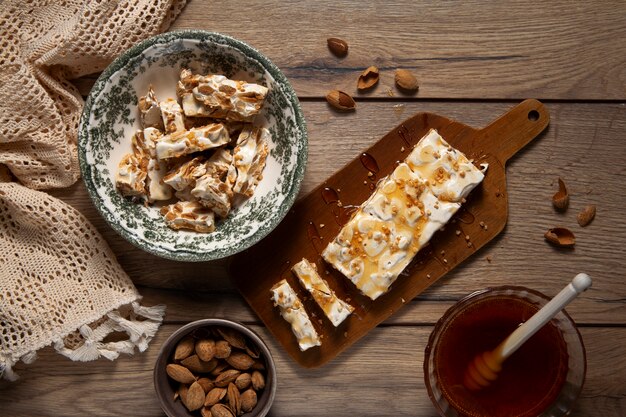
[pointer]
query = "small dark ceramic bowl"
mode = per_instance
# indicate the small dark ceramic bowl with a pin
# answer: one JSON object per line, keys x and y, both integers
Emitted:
{"x": 165, "y": 387}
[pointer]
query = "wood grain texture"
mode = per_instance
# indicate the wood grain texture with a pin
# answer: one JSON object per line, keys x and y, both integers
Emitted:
{"x": 382, "y": 376}
{"x": 484, "y": 51}
{"x": 583, "y": 145}
{"x": 469, "y": 49}
{"x": 184, "y": 306}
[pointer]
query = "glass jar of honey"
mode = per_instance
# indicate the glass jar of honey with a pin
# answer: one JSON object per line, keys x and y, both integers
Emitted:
{"x": 543, "y": 378}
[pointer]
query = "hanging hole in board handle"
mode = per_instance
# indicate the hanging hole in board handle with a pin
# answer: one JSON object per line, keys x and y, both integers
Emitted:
{"x": 533, "y": 115}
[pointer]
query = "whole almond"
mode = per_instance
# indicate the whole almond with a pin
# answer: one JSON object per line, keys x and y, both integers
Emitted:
{"x": 221, "y": 367}
{"x": 258, "y": 380}
{"x": 248, "y": 400}
{"x": 194, "y": 364}
{"x": 340, "y": 100}
{"x": 221, "y": 410}
{"x": 337, "y": 46}
{"x": 368, "y": 78}
{"x": 207, "y": 384}
{"x": 253, "y": 351}
{"x": 222, "y": 349}
{"x": 587, "y": 215}
{"x": 206, "y": 412}
{"x": 259, "y": 365}
{"x": 243, "y": 381}
{"x": 179, "y": 373}
{"x": 214, "y": 396}
{"x": 226, "y": 378}
{"x": 184, "y": 348}
{"x": 240, "y": 360}
{"x": 194, "y": 400}
{"x": 232, "y": 392}
{"x": 560, "y": 199}
{"x": 205, "y": 349}
{"x": 560, "y": 236}
{"x": 233, "y": 337}
{"x": 182, "y": 392}
{"x": 405, "y": 80}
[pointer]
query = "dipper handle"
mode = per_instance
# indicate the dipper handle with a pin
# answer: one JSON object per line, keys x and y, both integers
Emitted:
{"x": 579, "y": 284}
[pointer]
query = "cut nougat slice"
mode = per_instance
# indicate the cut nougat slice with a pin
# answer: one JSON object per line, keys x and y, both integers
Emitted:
{"x": 292, "y": 310}
{"x": 215, "y": 188}
{"x": 149, "y": 111}
{"x": 186, "y": 174}
{"x": 192, "y": 140}
{"x": 131, "y": 176}
{"x": 250, "y": 156}
{"x": 189, "y": 215}
{"x": 219, "y": 97}
{"x": 334, "y": 308}
{"x": 172, "y": 115}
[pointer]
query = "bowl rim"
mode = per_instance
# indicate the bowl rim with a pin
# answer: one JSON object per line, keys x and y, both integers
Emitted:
{"x": 157, "y": 374}
{"x": 301, "y": 157}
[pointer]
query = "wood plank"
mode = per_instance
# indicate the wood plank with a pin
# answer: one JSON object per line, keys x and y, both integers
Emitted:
{"x": 186, "y": 306}
{"x": 364, "y": 381}
{"x": 581, "y": 145}
{"x": 468, "y": 49}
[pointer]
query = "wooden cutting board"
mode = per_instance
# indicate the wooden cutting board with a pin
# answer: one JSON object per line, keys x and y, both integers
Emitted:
{"x": 317, "y": 218}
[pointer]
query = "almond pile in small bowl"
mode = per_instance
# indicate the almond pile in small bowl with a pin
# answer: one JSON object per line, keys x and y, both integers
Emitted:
{"x": 216, "y": 368}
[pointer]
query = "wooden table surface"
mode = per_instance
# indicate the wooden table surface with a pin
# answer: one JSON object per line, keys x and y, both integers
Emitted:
{"x": 475, "y": 60}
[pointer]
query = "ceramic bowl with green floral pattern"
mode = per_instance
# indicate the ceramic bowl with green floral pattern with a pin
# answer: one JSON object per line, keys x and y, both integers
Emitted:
{"x": 110, "y": 118}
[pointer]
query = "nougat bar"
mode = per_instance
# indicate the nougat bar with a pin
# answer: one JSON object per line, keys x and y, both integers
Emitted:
{"x": 292, "y": 310}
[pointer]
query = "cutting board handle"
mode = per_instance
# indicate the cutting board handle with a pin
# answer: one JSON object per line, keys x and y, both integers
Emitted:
{"x": 516, "y": 128}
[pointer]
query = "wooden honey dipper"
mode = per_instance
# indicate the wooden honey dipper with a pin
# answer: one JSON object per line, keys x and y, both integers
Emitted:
{"x": 485, "y": 367}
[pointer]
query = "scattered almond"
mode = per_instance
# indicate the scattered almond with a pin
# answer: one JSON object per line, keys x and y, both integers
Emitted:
{"x": 205, "y": 349}
{"x": 560, "y": 236}
{"x": 560, "y": 200}
{"x": 258, "y": 380}
{"x": 180, "y": 373}
{"x": 405, "y": 80}
{"x": 184, "y": 348}
{"x": 248, "y": 400}
{"x": 586, "y": 215}
{"x": 368, "y": 79}
{"x": 194, "y": 400}
{"x": 206, "y": 412}
{"x": 214, "y": 396}
{"x": 221, "y": 410}
{"x": 340, "y": 100}
{"x": 337, "y": 46}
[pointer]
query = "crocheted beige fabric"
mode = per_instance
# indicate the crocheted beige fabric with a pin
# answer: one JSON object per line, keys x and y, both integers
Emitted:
{"x": 59, "y": 282}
